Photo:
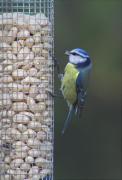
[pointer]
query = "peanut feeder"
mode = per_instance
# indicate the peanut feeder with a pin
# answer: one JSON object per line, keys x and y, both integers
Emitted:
{"x": 26, "y": 108}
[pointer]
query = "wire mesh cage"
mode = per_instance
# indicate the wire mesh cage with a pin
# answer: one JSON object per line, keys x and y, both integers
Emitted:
{"x": 26, "y": 76}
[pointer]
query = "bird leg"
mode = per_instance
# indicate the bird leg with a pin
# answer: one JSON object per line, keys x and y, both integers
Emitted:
{"x": 60, "y": 76}
{"x": 59, "y": 95}
{"x": 57, "y": 66}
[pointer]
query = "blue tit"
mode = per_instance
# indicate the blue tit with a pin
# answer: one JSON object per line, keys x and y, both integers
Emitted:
{"x": 75, "y": 81}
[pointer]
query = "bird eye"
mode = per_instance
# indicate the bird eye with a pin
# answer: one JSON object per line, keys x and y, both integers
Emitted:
{"x": 74, "y": 54}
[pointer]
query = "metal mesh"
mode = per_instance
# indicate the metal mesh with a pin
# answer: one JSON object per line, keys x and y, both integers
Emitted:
{"x": 26, "y": 76}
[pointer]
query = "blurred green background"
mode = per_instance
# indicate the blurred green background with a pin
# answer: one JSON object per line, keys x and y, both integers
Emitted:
{"x": 91, "y": 147}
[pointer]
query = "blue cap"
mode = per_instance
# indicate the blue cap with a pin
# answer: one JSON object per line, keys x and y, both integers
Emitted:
{"x": 80, "y": 52}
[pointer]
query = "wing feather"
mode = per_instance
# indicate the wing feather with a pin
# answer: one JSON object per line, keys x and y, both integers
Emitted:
{"x": 81, "y": 95}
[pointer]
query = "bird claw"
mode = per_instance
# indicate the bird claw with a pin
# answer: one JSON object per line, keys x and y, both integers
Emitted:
{"x": 54, "y": 94}
{"x": 60, "y": 76}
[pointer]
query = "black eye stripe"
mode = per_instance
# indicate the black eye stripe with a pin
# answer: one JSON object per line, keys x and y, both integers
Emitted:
{"x": 74, "y": 54}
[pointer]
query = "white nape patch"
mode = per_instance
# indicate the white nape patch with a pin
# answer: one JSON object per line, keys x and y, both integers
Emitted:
{"x": 74, "y": 59}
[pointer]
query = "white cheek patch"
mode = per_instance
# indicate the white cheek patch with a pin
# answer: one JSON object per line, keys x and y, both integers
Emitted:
{"x": 76, "y": 59}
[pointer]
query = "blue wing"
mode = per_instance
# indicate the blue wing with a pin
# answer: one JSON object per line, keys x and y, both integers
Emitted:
{"x": 81, "y": 95}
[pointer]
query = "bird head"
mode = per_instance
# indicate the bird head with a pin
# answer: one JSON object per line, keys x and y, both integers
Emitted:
{"x": 77, "y": 56}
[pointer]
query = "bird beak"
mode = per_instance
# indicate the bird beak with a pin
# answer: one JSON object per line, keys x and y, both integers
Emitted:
{"x": 67, "y": 53}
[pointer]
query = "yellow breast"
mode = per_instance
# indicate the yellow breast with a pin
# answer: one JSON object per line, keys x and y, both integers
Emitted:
{"x": 68, "y": 85}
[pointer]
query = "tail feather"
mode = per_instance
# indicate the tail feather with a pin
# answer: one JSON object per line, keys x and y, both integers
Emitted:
{"x": 69, "y": 118}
